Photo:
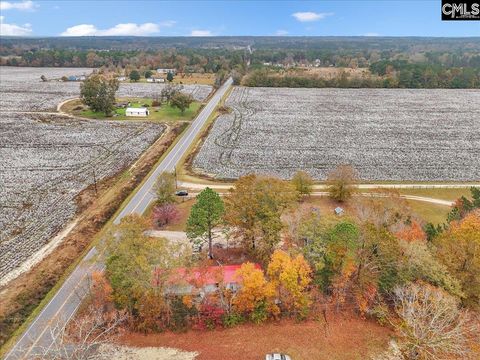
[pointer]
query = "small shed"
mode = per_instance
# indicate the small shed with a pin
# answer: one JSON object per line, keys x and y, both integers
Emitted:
{"x": 141, "y": 112}
{"x": 121, "y": 78}
{"x": 339, "y": 211}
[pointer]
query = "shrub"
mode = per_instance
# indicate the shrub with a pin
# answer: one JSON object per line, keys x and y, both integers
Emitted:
{"x": 233, "y": 319}
{"x": 165, "y": 214}
{"x": 181, "y": 314}
{"x": 260, "y": 313}
{"x": 210, "y": 317}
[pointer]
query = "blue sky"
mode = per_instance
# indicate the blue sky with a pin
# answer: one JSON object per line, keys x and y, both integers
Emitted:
{"x": 204, "y": 18}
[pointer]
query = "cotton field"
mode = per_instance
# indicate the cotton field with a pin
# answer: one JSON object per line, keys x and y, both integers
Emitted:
{"x": 22, "y": 89}
{"x": 46, "y": 159}
{"x": 386, "y": 134}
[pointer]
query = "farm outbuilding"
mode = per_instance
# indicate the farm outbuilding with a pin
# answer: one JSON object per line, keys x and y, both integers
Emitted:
{"x": 142, "y": 112}
{"x": 166, "y": 71}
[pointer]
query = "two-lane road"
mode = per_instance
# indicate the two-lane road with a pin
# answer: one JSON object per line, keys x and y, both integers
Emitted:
{"x": 68, "y": 298}
{"x": 145, "y": 195}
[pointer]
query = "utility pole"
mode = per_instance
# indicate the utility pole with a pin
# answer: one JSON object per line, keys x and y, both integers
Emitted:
{"x": 95, "y": 182}
{"x": 176, "y": 183}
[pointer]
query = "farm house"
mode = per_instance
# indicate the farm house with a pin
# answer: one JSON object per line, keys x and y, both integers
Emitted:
{"x": 142, "y": 112}
{"x": 205, "y": 280}
{"x": 166, "y": 71}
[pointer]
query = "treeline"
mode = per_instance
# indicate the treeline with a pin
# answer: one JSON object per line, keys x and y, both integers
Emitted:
{"x": 266, "y": 78}
{"x": 185, "y": 60}
{"x": 258, "y": 43}
{"x": 365, "y": 57}
{"x": 382, "y": 75}
{"x": 401, "y": 73}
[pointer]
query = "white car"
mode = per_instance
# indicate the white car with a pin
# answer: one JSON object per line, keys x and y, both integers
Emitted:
{"x": 277, "y": 357}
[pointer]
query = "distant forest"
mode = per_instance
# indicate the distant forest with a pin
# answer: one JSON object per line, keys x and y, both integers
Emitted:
{"x": 392, "y": 61}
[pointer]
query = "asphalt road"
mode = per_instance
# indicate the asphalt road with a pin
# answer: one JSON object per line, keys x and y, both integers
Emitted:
{"x": 38, "y": 337}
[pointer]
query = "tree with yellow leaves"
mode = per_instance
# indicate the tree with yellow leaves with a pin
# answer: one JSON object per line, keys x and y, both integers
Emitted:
{"x": 254, "y": 208}
{"x": 291, "y": 278}
{"x": 459, "y": 249}
{"x": 256, "y": 296}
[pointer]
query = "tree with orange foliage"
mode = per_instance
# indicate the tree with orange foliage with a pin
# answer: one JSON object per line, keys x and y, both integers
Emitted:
{"x": 459, "y": 249}
{"x": 100, "y": 290}
{"x": 291, "y": 278}
{"x": 412, "y": 232}
{"x": 256, "y": 296}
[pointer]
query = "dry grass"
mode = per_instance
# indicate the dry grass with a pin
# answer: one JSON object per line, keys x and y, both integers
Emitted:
{"x": 424, "y": 211}
{"x": 443, "y": 194}
{"x": 347, "y": 339}
{"x": 194, "y": 79}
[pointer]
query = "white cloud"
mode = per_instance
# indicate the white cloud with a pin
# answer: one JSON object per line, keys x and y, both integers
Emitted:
{"x": 24, "y": 5}
{"x": 310, "y": 16}
{"x": 13, "y": 29}
{"x": 128, "y": 29}
{"x": 371, "y": 34}
{"x": 201, "y": 33}
{"x": 281, "y": 32}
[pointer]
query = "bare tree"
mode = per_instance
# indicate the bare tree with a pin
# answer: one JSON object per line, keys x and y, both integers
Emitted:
{"x": 342, "y": 182}
{"x": 82, "y": 337}
{"x": 431, "y": 324}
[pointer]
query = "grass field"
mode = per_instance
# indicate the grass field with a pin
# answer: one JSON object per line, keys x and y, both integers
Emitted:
{"x": 443, "y": 194}
{"x": 194, "y": 79}
{"x": 186, "y": 79}
{"x": 164, "y": 113}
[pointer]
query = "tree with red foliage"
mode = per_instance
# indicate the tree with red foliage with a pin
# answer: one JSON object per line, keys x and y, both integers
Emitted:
{"x": 165, "y": 214}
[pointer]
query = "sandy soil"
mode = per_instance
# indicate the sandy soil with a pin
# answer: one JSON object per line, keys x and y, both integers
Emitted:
{"x": 147, "y": 353}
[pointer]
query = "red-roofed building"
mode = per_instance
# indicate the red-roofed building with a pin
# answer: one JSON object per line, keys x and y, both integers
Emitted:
{"x": 206, "y": 280}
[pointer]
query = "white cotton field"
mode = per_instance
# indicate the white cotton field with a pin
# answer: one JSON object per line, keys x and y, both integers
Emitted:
{"x": 46, "y": 159}
{"x": 22, "y": 89}
{"x": 386, "y": 134}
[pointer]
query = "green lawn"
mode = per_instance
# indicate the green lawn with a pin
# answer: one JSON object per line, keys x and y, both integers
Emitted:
{"x": 164, "y": 113}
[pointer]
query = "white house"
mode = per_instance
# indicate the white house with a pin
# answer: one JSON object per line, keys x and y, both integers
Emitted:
{"x": 156, "y": 80}
{"x": 166, "y": 71}
{"x": 142, "y": 112}
{"x": 121, "y": 78}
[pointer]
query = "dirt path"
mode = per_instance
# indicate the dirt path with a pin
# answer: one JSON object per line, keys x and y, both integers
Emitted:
{"x": 222, "y": 187}
{"x": 226, "y": 186}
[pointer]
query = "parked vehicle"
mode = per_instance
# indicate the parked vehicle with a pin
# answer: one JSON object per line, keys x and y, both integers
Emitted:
{"x": 277, "y": 356}
{"x": 181, "y": 193}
